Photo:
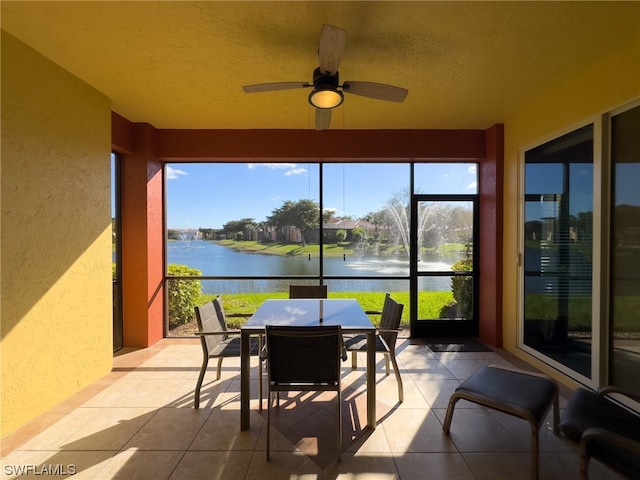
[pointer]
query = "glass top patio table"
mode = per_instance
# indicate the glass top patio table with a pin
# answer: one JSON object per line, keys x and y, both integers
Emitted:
{"x": 308, "y": 312}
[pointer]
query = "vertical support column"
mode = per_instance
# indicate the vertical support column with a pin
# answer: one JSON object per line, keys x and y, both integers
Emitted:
{"x": 491, "y": 179}
{"x": 142, "y": 245}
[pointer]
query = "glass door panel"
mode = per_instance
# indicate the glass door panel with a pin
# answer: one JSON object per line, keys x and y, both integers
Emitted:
{"x": 625, "y": 250}
{"x": 558, "y": 248}
{"x": 444, "y": 266}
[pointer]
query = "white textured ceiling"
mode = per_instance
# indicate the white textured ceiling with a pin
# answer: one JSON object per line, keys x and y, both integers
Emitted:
{"x": 182, "y": 64}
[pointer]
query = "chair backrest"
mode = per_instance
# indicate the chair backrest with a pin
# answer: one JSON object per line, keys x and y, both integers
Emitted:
{"x": 222, "y": 317}
{"x": 307, "y": 291}
{"x": 390, "y": 320}
{"x": 304, "y": 355}
{"x": 208, "y": 320}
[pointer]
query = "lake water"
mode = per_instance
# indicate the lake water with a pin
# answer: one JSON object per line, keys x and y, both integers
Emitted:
{"x": 213, "y": 259}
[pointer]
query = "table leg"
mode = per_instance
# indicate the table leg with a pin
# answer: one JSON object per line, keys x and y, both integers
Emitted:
{"x": 371, "y": 380}
{"x": 245, "y": 379}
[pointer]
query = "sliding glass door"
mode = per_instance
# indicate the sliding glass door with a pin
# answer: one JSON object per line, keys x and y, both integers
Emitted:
{"x": 625, "y": 250}
{"x": 558, "y": 247}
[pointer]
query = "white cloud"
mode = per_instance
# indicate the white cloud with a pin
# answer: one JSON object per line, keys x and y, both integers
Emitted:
{"x": 472, "y": 169}
{"x": 174, "y": 173}
{"x": 472, "y": 186}
{"x": 296, "y": 171}
{"x": 272, "y": 166}
{"x": 291, "y": 168}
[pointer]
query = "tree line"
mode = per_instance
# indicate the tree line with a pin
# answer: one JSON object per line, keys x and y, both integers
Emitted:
{"x": 441, "y": 223}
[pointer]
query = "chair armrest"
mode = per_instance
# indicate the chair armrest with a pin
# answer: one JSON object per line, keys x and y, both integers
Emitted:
{"x": 608, "y": 436}
{"x": 610, "y": 389}
{"x": 373, "y": 312}
{"x": 221, "y": 332}
{"x": 238, "y": 315}
{"x": 393, "y": 330}
{"x": 225, "y": 332}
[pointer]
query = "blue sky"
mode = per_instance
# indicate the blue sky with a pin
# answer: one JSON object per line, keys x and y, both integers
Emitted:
{"x": 210, "y": 195}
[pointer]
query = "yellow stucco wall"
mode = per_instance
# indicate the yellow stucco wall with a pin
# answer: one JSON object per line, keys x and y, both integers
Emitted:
{"x": 609, "y": 82}
{"x": 56, "y": 306}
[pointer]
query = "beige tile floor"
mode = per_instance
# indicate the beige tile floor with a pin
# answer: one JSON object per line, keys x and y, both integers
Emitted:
{"x": 139, "y": 423}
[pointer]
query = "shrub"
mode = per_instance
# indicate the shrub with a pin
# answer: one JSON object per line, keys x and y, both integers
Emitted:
{"x": 182, "y": 294}
{"x": 341, "y": 235}
{"x": 462, "y": 288}
{"x": 357, "y": 234}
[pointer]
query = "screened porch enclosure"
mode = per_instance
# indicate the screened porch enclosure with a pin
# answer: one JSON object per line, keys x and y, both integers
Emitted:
{"x": 247, "y": 231}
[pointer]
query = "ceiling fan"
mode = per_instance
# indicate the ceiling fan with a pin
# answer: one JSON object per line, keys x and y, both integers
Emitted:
{"x": 327, "y": 92}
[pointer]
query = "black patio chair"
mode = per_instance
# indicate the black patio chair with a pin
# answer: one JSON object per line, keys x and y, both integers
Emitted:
{"x": 386, "y": 336}
{"x": 304, "y": 359}
{"x": 219, "y": 342}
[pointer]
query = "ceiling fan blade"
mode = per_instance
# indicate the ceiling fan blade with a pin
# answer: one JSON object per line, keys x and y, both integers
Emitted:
{"x": 330, "y": 48}
{"x": 323, "y": 118}
{"x": 269, "y": 87}
{"x": 379, "y": 91}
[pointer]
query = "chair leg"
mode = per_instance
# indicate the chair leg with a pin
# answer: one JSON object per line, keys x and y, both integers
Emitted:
{"x": 386, "y": 363}
{"x": 556, "y": 414}
{"x": 339, "y": 426}
{"x": 268, "y": 423}
{"x": 584, "y": 462}
{"x": 203, "y": 369}
{"x": 219, "y": 369}
{"x": 535, "y": 453}
{"x": 354, "y": 360}
{"x": 396, "y": 370}
{"x": 449, "y": 416}
{"x": 260, "y": 373}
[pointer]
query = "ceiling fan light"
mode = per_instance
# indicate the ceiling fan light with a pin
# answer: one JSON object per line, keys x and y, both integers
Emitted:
{"x": 325, "y": 98}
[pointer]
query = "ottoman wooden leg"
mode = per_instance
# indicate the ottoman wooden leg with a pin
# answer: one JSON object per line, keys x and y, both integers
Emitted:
{"x": 447, "y": 419}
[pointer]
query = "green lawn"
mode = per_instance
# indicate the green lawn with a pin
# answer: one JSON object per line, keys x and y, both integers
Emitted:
{"x": 292, "y": 249}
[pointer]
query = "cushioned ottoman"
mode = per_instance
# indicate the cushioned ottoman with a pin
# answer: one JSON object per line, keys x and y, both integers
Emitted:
{"x": 526, "y": 395}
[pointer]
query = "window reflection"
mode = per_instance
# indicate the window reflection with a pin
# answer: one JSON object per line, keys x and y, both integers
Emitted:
{"x": 625, "y": 250}
{"x": 558, "y": 249}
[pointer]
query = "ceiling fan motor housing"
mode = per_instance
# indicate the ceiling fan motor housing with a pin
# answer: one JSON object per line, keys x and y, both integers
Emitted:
{"x": 325, "y": 92}
{"x": 324, "y": 81}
